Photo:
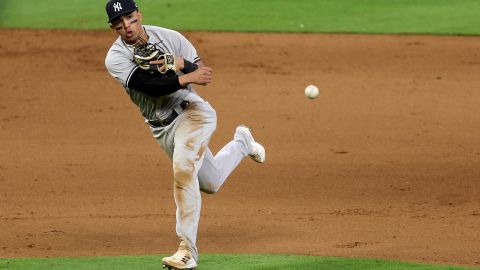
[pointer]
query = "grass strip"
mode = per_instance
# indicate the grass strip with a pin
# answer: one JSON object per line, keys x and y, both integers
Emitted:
{"x": 217, "y": 262}
{"x": 459, "y": 17}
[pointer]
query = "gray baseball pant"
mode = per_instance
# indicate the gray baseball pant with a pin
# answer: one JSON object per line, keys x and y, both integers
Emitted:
{"x": 195, "y": 168}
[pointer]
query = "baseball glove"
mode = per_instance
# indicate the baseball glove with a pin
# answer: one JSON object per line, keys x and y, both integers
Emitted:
{"x": 144, "y": 53}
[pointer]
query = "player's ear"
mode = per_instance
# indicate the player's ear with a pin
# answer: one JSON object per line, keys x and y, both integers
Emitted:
{"x": 113, "y": 30}
{"x": 140, "y": 15}
{"x": 112, "y": 27}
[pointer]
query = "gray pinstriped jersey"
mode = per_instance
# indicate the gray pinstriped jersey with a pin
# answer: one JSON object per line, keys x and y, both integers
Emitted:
{"x": 120, "y": 65}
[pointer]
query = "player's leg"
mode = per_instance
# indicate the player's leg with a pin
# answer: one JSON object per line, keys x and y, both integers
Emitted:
{"x": 192, "y": 133}
{"x": 216, "y": 169}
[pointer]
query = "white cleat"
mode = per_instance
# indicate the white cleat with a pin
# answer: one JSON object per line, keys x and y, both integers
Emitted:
{"x": 256, "y": 150}
{"x": 182, "y": 259}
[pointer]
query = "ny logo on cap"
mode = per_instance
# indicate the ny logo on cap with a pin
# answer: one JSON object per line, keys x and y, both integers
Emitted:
{"x": 117, "y": 7}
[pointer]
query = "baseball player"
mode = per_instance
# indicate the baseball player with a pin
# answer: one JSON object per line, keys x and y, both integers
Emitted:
{"x": 179, "y": 119}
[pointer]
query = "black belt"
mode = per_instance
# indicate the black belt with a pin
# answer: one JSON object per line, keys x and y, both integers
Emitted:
{"x": 156, "y": 123}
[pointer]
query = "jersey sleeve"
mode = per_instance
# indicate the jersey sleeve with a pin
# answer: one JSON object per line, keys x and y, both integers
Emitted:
{"x": 186, "y": 49}
{"x": 120, "y": 66}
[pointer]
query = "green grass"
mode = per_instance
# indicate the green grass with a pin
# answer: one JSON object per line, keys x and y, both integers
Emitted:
{"x": 352, "y": 16}
{"x": 217, "y": 262}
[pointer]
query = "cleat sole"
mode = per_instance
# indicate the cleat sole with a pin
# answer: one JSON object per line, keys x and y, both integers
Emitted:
{"x": 174, "y": 268}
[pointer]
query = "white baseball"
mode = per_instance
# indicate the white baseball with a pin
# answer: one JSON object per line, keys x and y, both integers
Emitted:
{"x": 311, "y": 91}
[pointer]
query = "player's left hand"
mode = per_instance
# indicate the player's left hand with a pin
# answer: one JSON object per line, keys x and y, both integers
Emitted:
{"x": 144, "y": 53}
{"x": 179, "y": 64}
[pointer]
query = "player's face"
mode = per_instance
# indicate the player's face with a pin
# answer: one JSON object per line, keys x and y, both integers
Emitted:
{"x": 129, "y": 27}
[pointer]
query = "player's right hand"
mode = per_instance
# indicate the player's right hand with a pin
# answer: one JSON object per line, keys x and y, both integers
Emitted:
{"x": 201, "y": 76}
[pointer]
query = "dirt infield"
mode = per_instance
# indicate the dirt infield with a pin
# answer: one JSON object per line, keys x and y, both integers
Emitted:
{"x": 384, "y": 164}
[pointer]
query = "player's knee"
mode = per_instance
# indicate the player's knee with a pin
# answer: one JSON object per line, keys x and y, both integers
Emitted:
{"x": 209, "y": 188}
{"x": 183, "y": 172}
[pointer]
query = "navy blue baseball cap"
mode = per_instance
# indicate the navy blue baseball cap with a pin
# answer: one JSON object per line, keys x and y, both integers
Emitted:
{"x": 117, "y": 8}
